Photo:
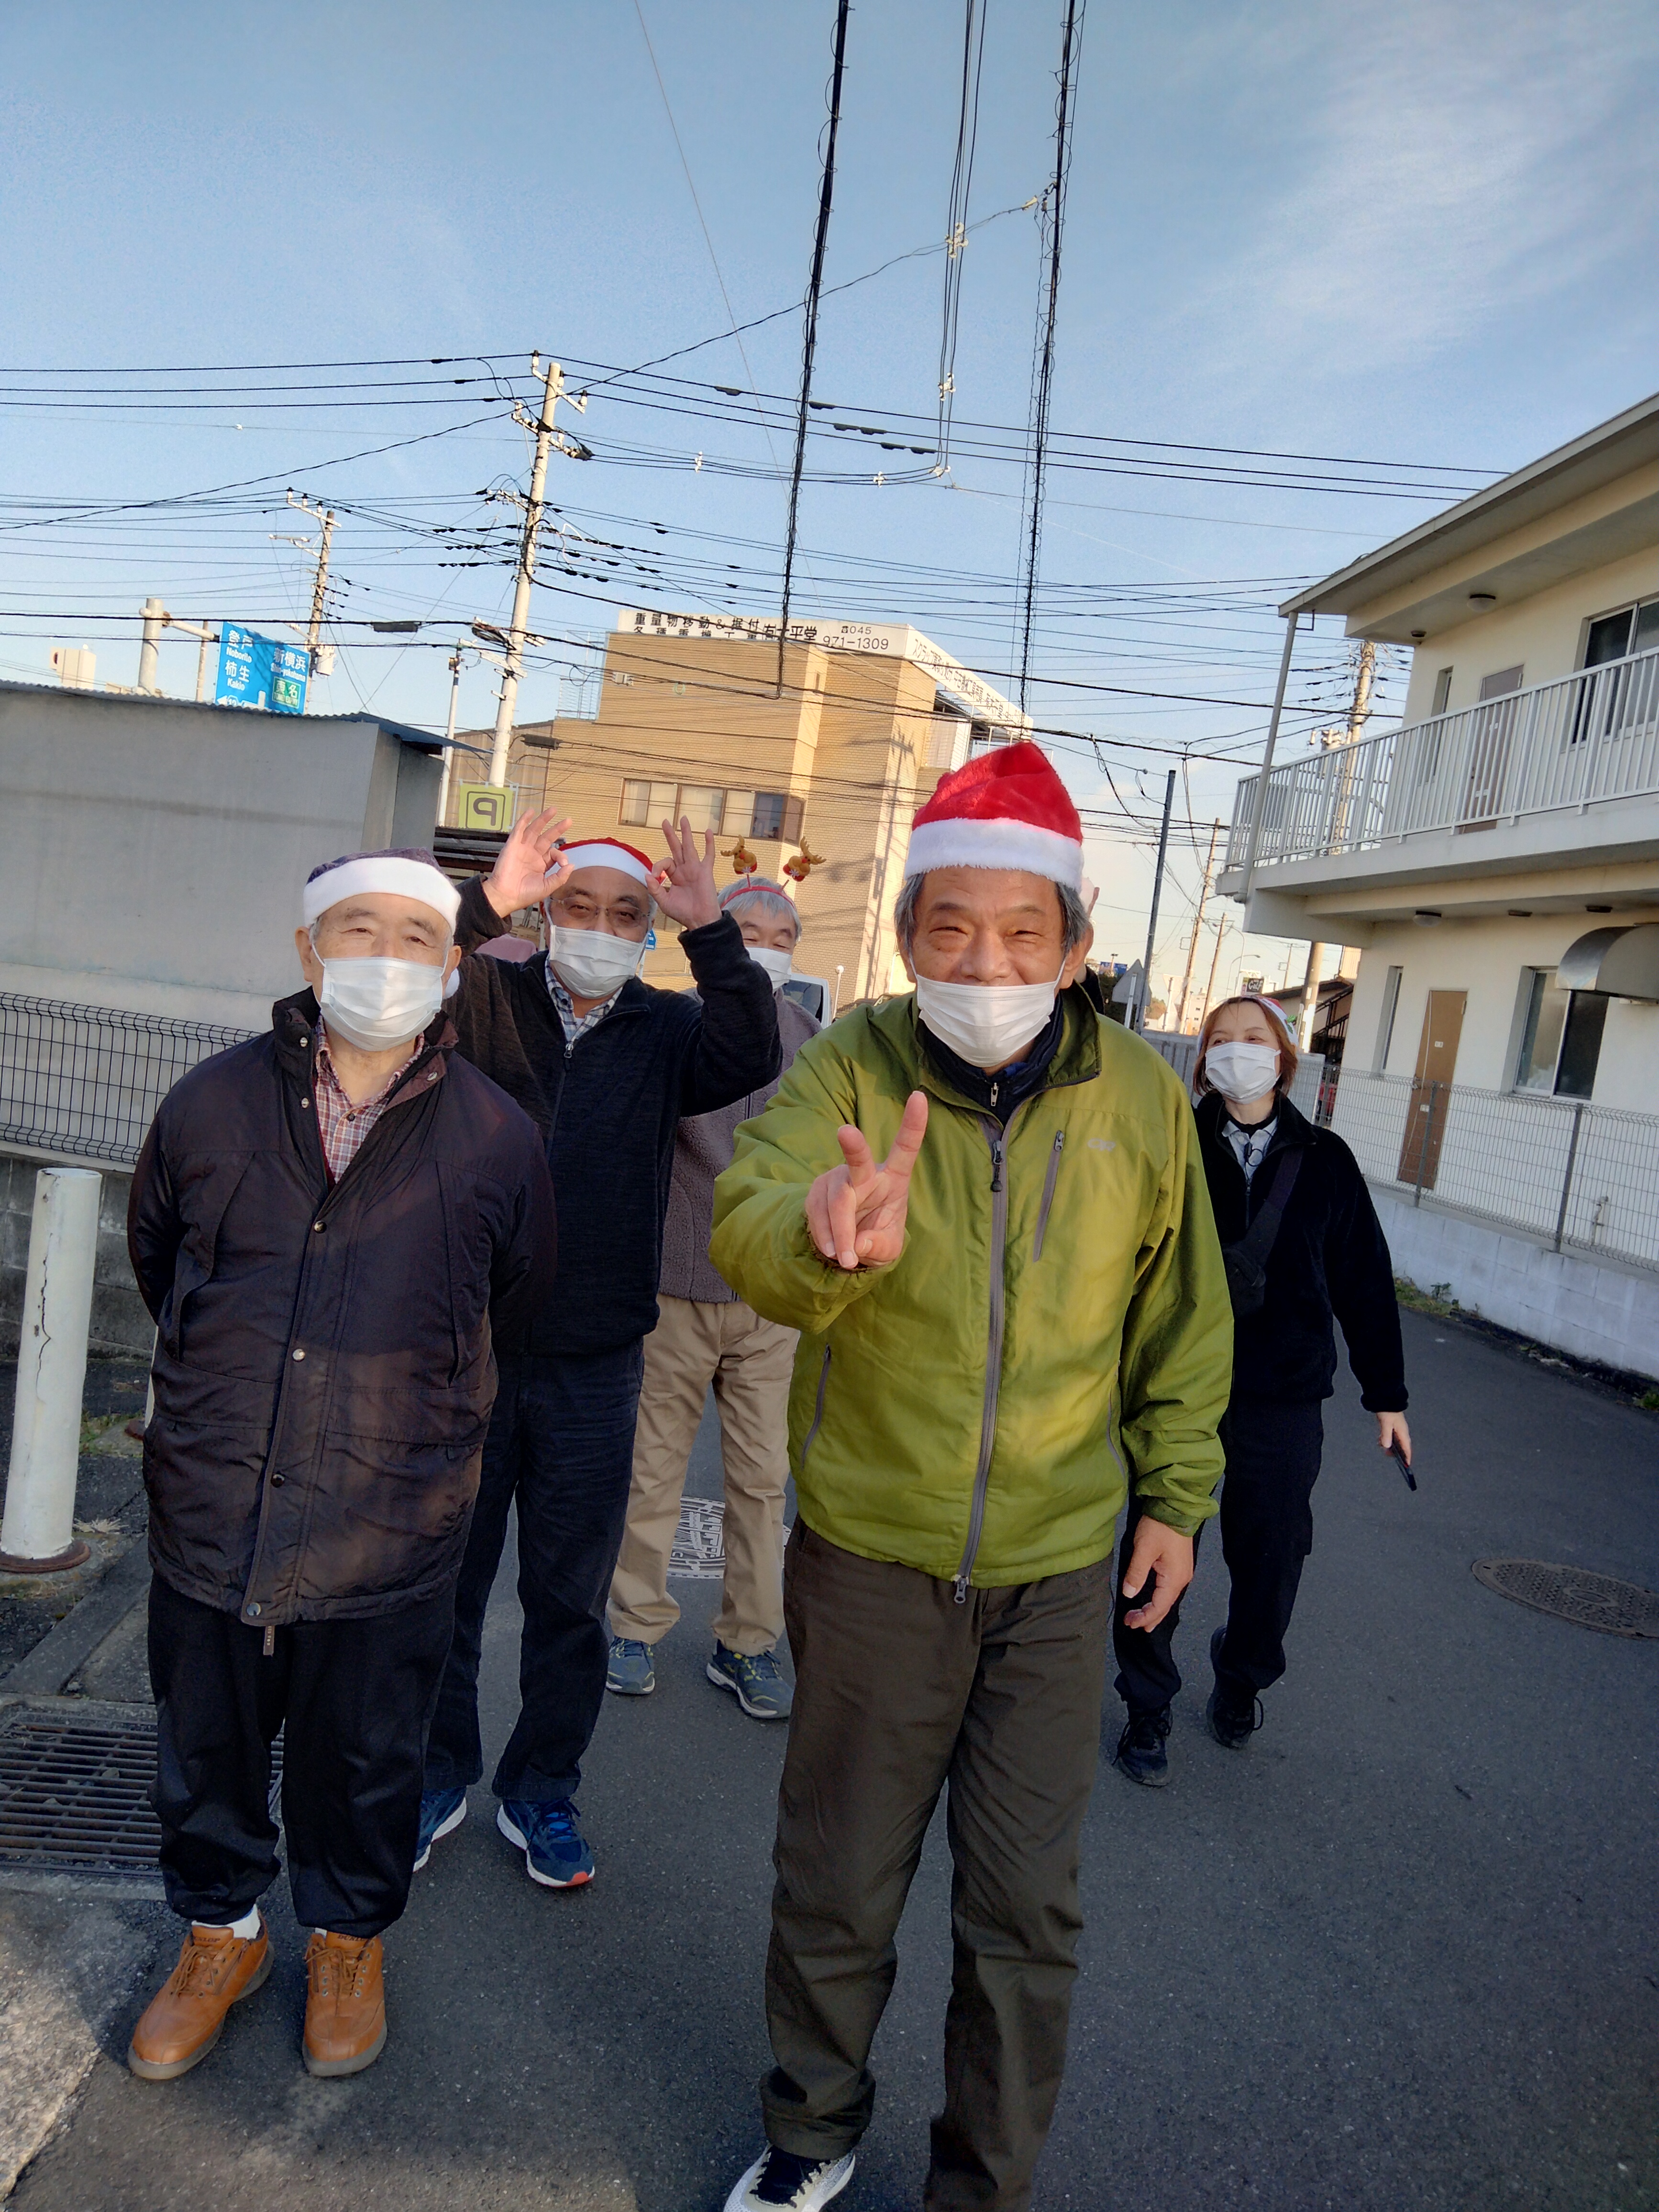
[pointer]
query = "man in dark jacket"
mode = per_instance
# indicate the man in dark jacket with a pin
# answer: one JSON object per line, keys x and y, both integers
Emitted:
{"x": 606, "y": 1068}
{"x": 706, "y": 1336}
{"x": 331, "y": 1225}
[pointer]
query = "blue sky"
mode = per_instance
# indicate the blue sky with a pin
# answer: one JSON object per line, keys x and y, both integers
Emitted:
{"x": 1414, "y": 233}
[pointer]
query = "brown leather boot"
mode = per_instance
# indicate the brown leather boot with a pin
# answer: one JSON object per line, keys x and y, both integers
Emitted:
{"x": 345, "y": 2003}
{"x": 186, "y": 2017}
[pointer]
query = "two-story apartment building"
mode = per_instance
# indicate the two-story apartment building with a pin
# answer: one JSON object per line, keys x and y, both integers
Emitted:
{"x": 1495, "y": 861}
{"x": 819, "y": 777}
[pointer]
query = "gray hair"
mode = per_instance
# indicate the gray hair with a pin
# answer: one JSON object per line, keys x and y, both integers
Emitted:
{"x": 772, "y": 906}
{"x": 1073, "y": 915}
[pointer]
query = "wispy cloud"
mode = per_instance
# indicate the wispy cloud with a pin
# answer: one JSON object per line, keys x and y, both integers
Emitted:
{"x": 1443, "y": 164}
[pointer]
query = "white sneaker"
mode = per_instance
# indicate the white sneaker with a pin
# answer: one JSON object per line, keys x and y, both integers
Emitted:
{"x": 778, "y": 2181}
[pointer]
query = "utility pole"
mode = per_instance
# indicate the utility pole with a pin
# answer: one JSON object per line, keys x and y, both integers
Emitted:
{"x": 1158, "y": 887}
{"x": 318, "y": 555}
{"x": 1215, "y": 962}
{"x": 449, "y": 733}
{"x": 1359, "y": 712}
{"x": 517, "y": 635}
{"x": 1198, "y": 924}
{"x": 155, "y": 616}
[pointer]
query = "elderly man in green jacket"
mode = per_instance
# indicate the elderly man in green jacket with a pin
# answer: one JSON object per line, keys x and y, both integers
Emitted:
{"x": 1015, "y": 1317}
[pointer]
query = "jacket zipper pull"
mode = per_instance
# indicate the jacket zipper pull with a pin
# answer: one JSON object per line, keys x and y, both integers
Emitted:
{"x": 268, "y": 1650}
{"x": 962, "y": 1589}
{"x": 996, "y": 1167}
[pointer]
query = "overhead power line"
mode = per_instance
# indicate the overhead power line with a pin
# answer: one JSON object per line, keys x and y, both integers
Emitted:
{"x": 955, "y": 219}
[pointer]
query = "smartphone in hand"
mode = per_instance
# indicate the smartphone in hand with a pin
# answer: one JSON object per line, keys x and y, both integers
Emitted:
{"x": 1397, "y": 1454}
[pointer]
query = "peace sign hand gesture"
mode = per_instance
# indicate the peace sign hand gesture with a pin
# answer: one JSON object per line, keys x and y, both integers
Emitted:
{"x": 856, "y": 1212}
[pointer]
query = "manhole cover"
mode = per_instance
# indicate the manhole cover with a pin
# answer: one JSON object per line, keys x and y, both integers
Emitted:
{"x": 1574, "y": 1594}
{"x": 76, "y": 1795}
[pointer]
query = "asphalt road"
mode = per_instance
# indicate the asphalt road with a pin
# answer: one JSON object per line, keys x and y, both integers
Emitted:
{"x": 1400, "y": 1954}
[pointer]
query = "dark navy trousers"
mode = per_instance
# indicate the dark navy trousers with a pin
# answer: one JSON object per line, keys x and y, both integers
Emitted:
{"x": 561, "y": 1448}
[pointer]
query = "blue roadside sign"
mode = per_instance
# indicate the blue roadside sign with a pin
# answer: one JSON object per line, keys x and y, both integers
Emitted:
{"x": 258, "y": 671}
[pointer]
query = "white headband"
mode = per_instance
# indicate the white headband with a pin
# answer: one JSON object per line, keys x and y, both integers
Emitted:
{"x": 380, "y": 872}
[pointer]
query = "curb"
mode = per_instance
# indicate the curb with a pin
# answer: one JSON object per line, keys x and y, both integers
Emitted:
{"x": 71, "y": 1642}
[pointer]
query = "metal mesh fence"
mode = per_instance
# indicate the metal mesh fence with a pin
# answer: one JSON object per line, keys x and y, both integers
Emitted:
{"x": 1583, "y": 1176}
{"x": 87, "y": 1080}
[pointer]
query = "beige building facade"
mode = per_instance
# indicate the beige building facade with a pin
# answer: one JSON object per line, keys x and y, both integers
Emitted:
{"x": 817, "y": 783}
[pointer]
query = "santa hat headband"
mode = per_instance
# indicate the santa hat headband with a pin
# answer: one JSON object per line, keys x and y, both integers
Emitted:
{"x": 1008, "y": 809}
{"x": 611, "y": 853}
{"x": 408, "y": 872}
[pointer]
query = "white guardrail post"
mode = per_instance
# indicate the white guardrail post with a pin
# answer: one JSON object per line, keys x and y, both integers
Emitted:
{"x": 37, "y": 1534}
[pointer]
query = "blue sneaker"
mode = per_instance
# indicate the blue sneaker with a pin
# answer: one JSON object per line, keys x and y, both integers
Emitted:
{"x": 628, "y": 1670}
{"x": 442, "y": 1812}
{"x": 555, "y": 1853}
{"x": 756, "y": 1682}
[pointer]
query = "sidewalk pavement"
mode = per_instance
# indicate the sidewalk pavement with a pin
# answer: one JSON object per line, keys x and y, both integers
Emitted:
{"x": 1399, "y": 1954}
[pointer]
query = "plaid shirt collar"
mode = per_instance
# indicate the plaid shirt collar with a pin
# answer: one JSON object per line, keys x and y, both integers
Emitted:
{"x": 576, "y": 1025}
{"x": 344, "y": 1128}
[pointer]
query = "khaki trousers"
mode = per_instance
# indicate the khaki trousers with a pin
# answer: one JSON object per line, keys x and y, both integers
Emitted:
{"x": 749, "y": 1362}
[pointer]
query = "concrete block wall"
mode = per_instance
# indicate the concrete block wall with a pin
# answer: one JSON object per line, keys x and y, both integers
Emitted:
{"x": 119, "y": 1322}
{"x": 1595, "y": 1309}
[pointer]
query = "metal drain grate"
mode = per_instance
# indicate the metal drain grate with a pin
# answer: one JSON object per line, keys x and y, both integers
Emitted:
{"x": 1591, "y": 1600}
{"x": 76, "y": 1797}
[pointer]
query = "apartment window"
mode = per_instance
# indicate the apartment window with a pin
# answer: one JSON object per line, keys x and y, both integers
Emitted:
{"x": 1442, "y": 691}
{"x": 1540, "y": 1031}
{"x": 1560, "y": 1038}
{"x": 1385, "y": 1020}
{"x": 766, "y": 814}
{"x": 1632, "y": 629}
{"x": 1581, "y": 1044}
{"x": 777, "y": 815}
{"x": 644, "y": 803}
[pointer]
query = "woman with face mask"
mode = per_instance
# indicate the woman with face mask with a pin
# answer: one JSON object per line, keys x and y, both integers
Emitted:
{"x": 1303, "y": 1248}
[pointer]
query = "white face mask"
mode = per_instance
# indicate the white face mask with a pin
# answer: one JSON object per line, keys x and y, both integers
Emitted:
{"x": 777, "y": 965}
{"x": 1241, "y": 1072}
{"x": 987, "y": 1024}
{"x": 377, "y": 1004}
{"x": 592, "y": 963}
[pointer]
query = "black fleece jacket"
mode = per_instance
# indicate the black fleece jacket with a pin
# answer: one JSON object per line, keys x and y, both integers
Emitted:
{"x": 1329, "y": 1259}
{"x": 608, "y": 1107}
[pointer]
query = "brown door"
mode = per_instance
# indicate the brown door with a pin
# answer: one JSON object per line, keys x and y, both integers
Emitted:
{"x": 1491, "y": 736}
{"x": 1437, "y": 1057}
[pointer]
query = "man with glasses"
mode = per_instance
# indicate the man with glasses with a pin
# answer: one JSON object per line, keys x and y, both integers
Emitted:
{"x": 606, "y": 1068}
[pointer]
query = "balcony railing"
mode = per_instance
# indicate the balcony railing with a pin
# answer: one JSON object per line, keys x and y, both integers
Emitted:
{"x": 1583, "y": 741}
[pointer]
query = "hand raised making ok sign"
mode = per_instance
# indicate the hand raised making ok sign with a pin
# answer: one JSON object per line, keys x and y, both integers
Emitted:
{"x": 856, "y": 1212}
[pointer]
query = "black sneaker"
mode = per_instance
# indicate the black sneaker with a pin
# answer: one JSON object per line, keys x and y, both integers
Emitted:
{"x": 778, "y": 2181}
{"x": 1231, "y": 1725}
{"x": 1141, "y": 1753}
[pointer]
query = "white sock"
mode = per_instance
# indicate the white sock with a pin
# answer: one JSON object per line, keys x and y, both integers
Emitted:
{"x": 246, "y": 1928}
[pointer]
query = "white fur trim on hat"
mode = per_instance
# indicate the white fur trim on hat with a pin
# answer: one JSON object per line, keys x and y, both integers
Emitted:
{"x": 965, "y": 843}
{"x": 380, "y": 872}
{"x": 607, "y": 855}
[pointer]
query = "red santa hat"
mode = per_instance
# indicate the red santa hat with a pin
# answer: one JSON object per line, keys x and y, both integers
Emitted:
{"x": 1008, "y": 809}
{"x": 611, "y": 853}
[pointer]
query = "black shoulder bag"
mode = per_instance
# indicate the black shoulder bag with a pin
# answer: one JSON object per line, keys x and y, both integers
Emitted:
{"x": 1246, "y": 1262}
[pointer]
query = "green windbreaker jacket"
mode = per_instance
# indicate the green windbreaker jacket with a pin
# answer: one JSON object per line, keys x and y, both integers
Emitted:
{"x": 1059, "y": 1315}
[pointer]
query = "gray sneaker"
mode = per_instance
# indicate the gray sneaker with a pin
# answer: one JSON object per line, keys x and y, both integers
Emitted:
{"x": 628, "y": 1670}
{"x": 757, "y": 1683}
